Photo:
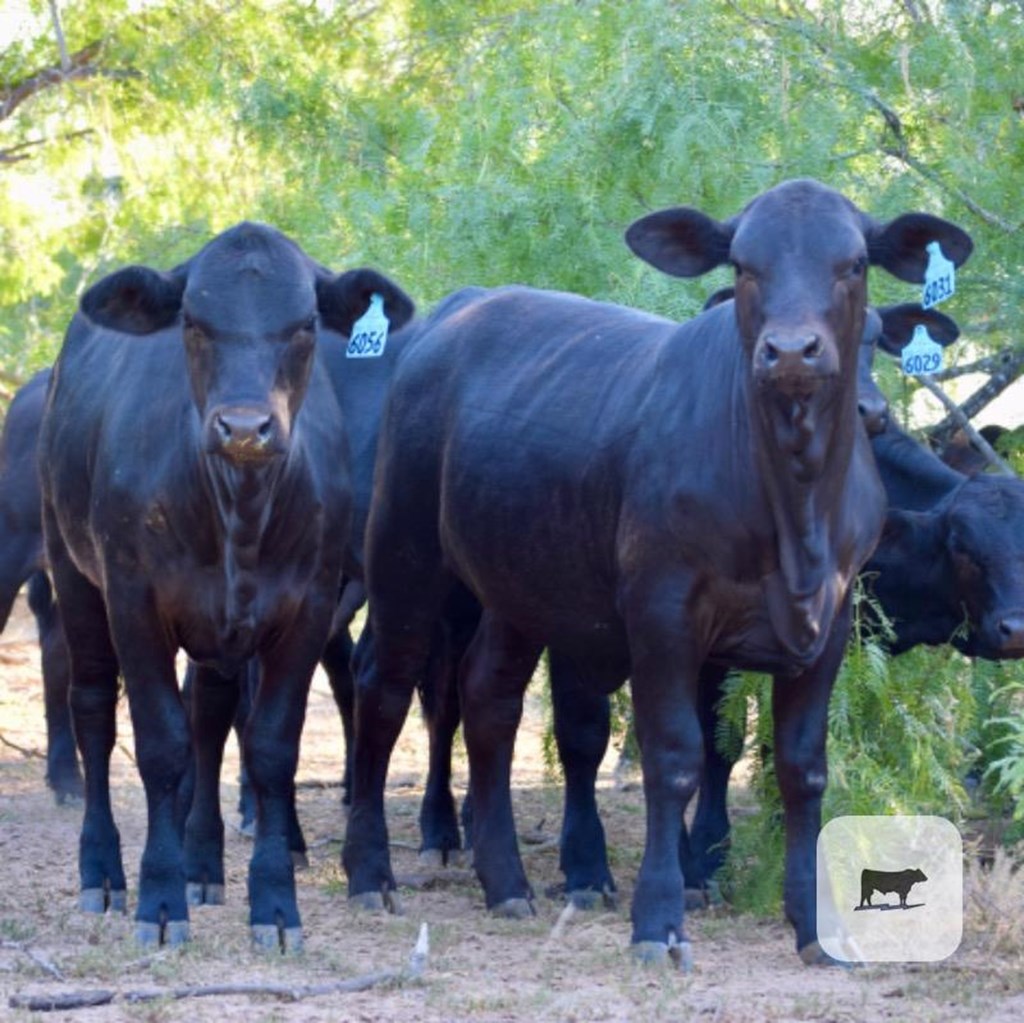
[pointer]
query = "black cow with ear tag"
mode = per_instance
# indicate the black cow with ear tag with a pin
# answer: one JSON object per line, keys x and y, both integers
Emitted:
{"x": 195, "y": 489}
{"x": 651, "y": 500}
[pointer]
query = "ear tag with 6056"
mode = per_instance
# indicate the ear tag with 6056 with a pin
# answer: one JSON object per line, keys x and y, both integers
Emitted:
{"x": 922, "y": 354}
{"x": 939, "y": 277}
{"x": 369, "y": 332}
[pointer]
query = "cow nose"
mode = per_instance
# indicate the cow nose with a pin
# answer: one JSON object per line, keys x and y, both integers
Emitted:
{"x": 874, "y": 413}
{"x": 244, "y": 434}
{"x": 1011, "y": 631}
{"x": 788, "y": 353}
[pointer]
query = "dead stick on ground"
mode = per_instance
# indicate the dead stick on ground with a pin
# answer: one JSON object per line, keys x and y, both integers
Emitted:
{"x": 37, "y": 957}
{"x": 563, "y": 921}
{"x": 23, "y": 750}
{"x": 62, "y": 1001}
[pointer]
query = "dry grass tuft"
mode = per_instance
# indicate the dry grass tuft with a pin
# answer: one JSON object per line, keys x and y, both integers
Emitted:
{"x": 994, "y": 903}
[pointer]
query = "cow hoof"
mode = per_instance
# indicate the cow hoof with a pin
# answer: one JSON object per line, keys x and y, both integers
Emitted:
{"x": 99, "y": 900}
{"x": 199, "y": 894}
{"x": 431, "y": 859}
{"x": 677, "y": 954}
{"x": 813, "y": 954}
{"x": 300, "y": 861}
{"x": 271, "y": 938}
{"x": 695, "y": 899}
{"x": 585, "y": 898}
{"x": 377, "y": 902}
{"x": 461, "y": 858}
{"x": 514, "y": 909}
{"x": 171, "y": 933}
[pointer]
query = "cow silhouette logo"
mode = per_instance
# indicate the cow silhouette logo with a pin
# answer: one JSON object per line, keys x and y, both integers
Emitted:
{"x": 885, "y": 881}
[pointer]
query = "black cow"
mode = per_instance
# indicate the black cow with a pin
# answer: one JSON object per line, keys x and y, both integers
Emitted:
{"x": 195, "y": 495}
{"x": 885, "y": 881}
{"x": 948, "y": 568}
{"x": 649, "y": 499}
{"x": 22, "y": 560}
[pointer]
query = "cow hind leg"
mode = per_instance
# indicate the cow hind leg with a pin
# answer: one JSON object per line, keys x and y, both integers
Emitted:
{"x": 62, "y": 771}
{"x": 336, "y": 660}
{"x": 93, "y": 702}
{"x": 494, "y": 675}
{"x": 702, "y": 851}
{"x": 582, "y": 720}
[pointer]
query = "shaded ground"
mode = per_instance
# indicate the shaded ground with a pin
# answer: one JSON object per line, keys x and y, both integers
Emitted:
{"x": 479, "y": 968}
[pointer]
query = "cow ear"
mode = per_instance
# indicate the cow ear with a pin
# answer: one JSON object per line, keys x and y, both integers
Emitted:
{"x": 718, "y": 298}
{"x": 135, "y": 300}
{"x": 899, "y": 321}
{"x": 900, "y": 246}
{"x": 681, "y": 241}
{"x": 343, "y": 298}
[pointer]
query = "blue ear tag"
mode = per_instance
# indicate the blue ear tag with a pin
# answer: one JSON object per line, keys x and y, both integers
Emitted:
{"x": 922, "y": 354}
{"x": 369, "y": 332}
{"x": 939, "y": 277}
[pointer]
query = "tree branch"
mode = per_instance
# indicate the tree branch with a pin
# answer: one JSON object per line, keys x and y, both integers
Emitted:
{"x": 62, "y": 43}
{"x": 65, "y": 1000}
{"x": 961, "y": 420}
{"x": 1004, "y": 375}
{"x": 79, "y": 65}
{"x": 1004, "y": 361}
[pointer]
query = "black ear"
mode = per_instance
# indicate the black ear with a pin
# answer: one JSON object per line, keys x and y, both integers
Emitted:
{"x": 718, "y": 297}
{"x": 681, "y": 241}
{"x": 342, "y": 299}
{"x": 899, "y": 321}
{"x": 900, "y": 245}
{"x": 135, "y": 300}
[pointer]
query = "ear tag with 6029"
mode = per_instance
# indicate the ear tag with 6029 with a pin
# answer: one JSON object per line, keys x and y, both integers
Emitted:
{"x": 369, "y": 332}
{"x": 939, "y": 277}
{"x": 922, "y": 354}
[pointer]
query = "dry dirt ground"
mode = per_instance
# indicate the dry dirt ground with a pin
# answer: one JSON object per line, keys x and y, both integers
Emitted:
{"x": 478, "y": 968}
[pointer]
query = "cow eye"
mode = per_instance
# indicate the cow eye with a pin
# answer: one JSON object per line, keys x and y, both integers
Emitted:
{"x": 858, "y": 266}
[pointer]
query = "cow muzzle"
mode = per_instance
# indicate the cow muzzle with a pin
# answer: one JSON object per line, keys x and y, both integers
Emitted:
{"x": 244, "y": 434}
{"x": 796, "y": 363}
{"x": 1008, "y": 633}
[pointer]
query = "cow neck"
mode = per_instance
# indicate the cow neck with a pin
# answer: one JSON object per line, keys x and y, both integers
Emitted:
{"x": 243, "y": 498}
{"x": 803, "y": 490}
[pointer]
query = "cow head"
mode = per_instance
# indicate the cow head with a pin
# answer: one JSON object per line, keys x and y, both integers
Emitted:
{"x": 801, "y": 253}
{"x": 886, "y": 327}
{"x": 890, "y": 328}
{"x": 984, "y": 529}
{"x": 248, "y": 307}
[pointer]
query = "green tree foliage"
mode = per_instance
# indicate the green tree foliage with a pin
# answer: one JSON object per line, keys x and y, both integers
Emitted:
{"x": 455, "y": 143}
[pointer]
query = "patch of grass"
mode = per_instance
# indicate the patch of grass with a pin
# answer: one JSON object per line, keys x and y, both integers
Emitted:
{"x": 994, "y": 904}
{"x": 12, "y": 929}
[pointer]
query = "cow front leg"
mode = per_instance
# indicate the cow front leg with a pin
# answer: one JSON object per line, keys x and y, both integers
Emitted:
{"x": 664, "y": 689}
{"x": 493, "y": 677}
{"x": 213, "y": 703}
{"x": 93, "y": 702}
{"x": 163, "y": 752}
{"x": 800, "y": 714}
{"x": 271, "y": 747}
{"x": 582, "y": 720}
